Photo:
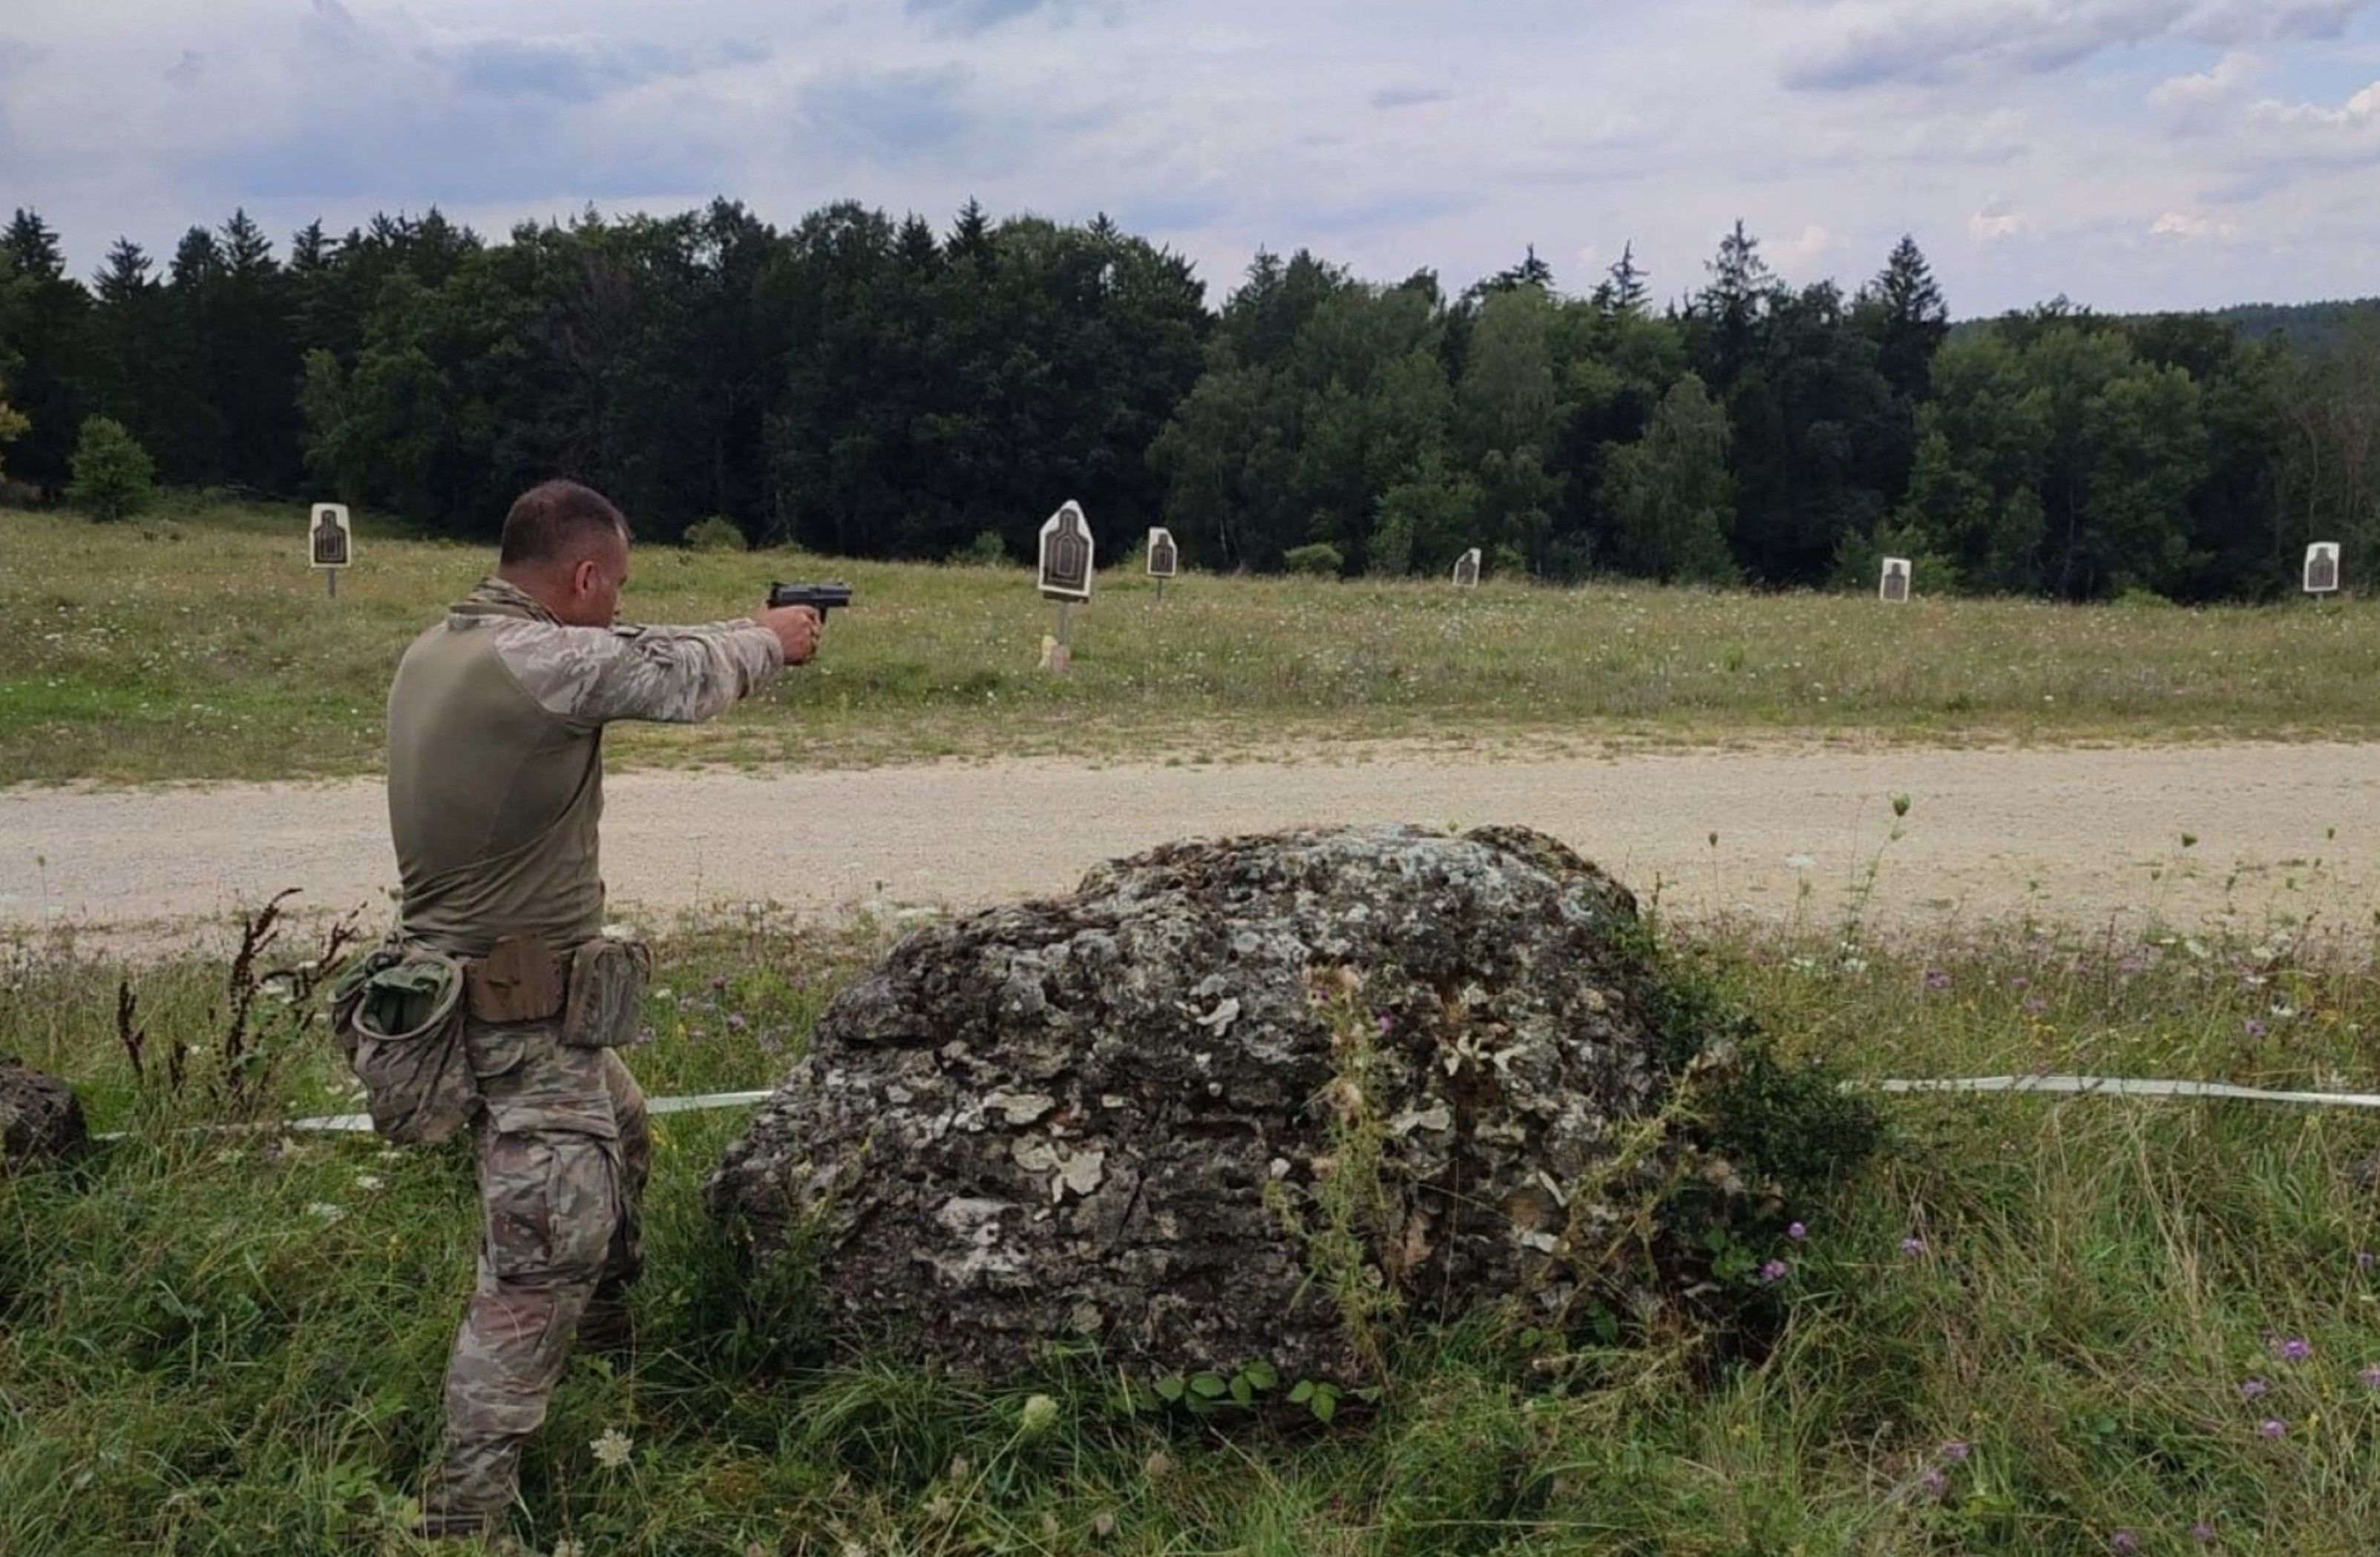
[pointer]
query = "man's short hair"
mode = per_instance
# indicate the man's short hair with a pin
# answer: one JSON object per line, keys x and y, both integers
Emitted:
{"x": 553, "y": 521}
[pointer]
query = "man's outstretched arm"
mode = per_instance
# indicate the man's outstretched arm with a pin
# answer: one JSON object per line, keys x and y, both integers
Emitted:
{"x": 677, "y": 675}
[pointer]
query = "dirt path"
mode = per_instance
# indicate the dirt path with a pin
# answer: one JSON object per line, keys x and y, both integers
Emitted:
{"x": 2074, "y": 835}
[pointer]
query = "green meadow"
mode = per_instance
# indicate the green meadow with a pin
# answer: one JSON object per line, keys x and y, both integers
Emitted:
{"x": 196, "y": 644}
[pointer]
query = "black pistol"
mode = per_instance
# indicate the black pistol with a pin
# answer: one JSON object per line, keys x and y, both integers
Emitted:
{"x": 820, "y": 598}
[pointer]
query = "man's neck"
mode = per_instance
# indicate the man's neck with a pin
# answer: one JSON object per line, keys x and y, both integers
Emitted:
{"x": 537, "y": 587}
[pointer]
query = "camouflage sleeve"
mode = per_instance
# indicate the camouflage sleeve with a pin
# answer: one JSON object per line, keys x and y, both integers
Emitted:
{"x": 679, "y": 674}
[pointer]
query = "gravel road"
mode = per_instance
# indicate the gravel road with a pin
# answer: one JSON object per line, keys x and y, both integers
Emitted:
{"x": 2086, "y": 836}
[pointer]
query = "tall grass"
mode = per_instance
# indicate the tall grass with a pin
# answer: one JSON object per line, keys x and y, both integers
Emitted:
{"x": 2037, "y": 1325}
{"x": 197, "y": 645}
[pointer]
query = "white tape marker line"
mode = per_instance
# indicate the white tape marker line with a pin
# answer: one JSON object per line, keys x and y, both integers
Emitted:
{"x": 2123, "y": 1087}
{"x": 362, "y": 1122}
{"x": 361, "y": 1125}
{"x": 2093, "y": 1085}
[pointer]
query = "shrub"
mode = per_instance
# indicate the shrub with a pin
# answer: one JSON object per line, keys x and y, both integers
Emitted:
{"x": 987, "y": 549}
{"x": 1320, "y": 560}
{"x": 717, "y": 533}
{"x": 113, "y": 475}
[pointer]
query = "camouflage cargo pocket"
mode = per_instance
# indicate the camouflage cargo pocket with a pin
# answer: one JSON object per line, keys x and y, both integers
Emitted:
{"x": 607, "y": 980}
{"x": 552, "y": 1201}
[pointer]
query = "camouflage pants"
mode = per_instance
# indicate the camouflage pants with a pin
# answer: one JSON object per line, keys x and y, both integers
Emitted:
{"x": 564, "y": 1152}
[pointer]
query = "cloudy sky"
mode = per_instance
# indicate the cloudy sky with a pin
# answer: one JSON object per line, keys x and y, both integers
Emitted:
{"x": 2128, "y": 154}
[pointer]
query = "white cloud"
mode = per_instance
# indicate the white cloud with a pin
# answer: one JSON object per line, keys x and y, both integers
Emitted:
{"x": 1798, "y": 252}
{"x": 2183, "y": 224}
{"x": 1996, "y": 220}
{"x": 2198, "y": 102}
{"x": 2358, "y": 112}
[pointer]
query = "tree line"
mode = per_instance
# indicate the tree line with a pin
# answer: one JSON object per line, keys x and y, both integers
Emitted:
{"x": 869, "y": 387}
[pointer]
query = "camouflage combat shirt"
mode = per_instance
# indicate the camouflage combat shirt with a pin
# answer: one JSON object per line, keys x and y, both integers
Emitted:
{"x": 495, "y": 755}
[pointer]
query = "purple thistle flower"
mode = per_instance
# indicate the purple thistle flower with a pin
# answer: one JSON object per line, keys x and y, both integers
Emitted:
{"x": 1937, "y": 980}
{"x": 2371, "y": 1376}
{"x": 2251, "y": 1388}
{"x": 2272, "y": 1427}
{"x": 2363, "y": 1259}
{"x": 1913, "y": 1245}
{"x": 1934, "y": 1482}
{"x": 1797, "y": 1231}
{"x": 2123, "y": 1541}
{"x": 2202, "y": 1532}
{"x": 2020, "y": 981}
{"x": 1384, "y": 1024}
{"x": 2294, "y": 1349}
{"x": 2256, "y": 1028}
{"x": 1955, "y": 1451}
{"x": 1773, "y": 1271}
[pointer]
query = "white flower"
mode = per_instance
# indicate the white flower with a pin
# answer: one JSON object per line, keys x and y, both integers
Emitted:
{"x": 1040, "y": 1412}
{"x": 326, "y": 1211}
{"x": 613, "y": 1449}
{"x": 367, "y": 1180}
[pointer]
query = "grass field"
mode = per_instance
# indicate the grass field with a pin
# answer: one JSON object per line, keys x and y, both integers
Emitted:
{"x": 2036, "y": 1326}
{"x": 195, "y": 645}
{"x": 2040, "y": 1326}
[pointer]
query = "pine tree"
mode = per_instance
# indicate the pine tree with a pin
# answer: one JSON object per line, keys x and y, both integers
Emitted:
{"x": 47, "y": 324}
{"x": 1622, "y": 290}
{"x": 1913, "y": 321}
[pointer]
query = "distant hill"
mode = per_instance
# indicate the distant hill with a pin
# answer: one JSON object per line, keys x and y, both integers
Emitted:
{"x": 2305, "y": 326}
{"x": 2311, "y": 325}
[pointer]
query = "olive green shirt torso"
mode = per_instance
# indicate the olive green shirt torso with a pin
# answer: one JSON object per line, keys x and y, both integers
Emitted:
{"x": 495, "y": 757}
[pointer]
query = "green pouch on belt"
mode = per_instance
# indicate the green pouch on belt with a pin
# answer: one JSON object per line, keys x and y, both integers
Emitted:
{"x": 398, "y": 1014}
{"x": 607, "y": 981}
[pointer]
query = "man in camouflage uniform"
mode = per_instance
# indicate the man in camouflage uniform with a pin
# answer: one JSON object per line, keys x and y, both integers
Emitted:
{"x": 495, "y": 790}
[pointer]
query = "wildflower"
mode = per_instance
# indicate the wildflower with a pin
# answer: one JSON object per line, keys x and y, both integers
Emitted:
{"x": 2034, "y": 1005}
{"x": 2256, "y": 1028}
{"x": 2272, "y": 1427}
{"x": 1773, "y": 1271}
{"x": 2202, "y": 1532}
{"x": 567, "y": 1547}
{"x": 2019, "y": 981}
{"x": 1955, "y": 1451}
{"x": 1038, "y": 1413}
{"x": 1913, "y": 1245}
{"x": 1934, "y": 1482}
{"x": 2371, "y": 1376}
{"x": 1384, "y": 1024}
{"x": 367, "y": 1180}
{"x": 2294, "y": 1349}
{"x": 326, "y": 1211}
{"x": 1797, "y": 1231}
{"x": 735, "y": 1022}
{"x": 1937, "y": 980}
{"x": 2123, "y": 1541}
{"x": 2251, "y": 1388}
{"x": 613, "y": 1449}
{"x": 2363, "y": 1259}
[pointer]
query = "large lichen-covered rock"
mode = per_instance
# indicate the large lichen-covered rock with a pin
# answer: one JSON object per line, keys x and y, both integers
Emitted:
{"x": 1234, "y": 1102}
{"x": 40, "y": 1116}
